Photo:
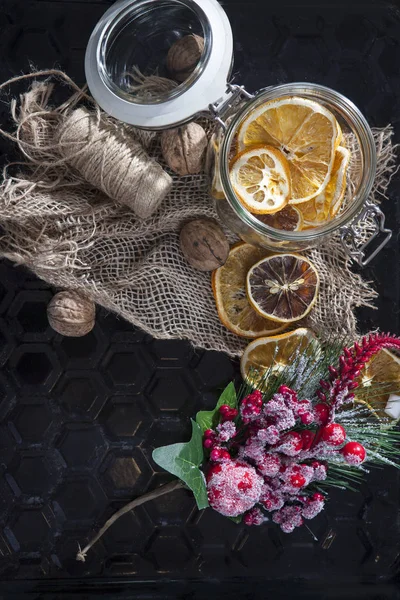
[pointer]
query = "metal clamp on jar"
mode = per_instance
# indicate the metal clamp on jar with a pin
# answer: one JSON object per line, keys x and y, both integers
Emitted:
{"x": 137, "y": 34}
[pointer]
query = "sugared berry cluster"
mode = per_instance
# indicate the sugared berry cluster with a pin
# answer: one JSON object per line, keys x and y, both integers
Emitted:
{"x": 266, "y": 457}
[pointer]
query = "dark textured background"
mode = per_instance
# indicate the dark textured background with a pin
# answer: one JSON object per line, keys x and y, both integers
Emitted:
{"x": 79, "y": 418}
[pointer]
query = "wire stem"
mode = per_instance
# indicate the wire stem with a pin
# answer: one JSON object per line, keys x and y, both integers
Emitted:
{"x": 161, "y": 491}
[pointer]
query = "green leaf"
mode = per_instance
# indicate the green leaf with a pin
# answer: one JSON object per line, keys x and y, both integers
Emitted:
{"x": 236, "y": 520}
{"x": 183, "y": 460}
{"x": 208, "y": 419}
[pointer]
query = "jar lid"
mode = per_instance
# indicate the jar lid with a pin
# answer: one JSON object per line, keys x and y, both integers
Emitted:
{"x": 133, "y": 38}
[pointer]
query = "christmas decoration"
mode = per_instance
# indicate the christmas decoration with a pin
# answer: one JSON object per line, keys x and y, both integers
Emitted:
{"x": 271, "y": 453}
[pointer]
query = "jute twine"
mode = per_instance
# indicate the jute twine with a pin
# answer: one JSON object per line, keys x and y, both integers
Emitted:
{"x": 72, "y": 235}
{"x": 121, "y": 169}
{"x": 110, "y": 158}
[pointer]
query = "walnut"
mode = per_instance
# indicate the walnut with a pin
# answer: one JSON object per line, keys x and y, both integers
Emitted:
{"x": 204, "y": 244}
{"x": 184, "y": 55}
{"x": 184, "y": 148}
{"x": 71, "y": 314}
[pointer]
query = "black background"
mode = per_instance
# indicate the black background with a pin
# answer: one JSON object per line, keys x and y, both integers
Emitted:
{"x": 79, "y": 418}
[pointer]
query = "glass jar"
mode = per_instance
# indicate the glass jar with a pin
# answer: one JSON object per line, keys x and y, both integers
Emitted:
{"x": 137, "y": 34}
{"x": 361, "y": 173}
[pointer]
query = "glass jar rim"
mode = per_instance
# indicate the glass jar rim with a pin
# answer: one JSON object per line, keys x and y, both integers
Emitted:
{"x": 367, "y": 145}
{"x": 196, "y": 98}
{"x": 117, "y": 21}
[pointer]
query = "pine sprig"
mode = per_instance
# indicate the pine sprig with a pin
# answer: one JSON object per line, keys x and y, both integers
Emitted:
{"x": 328, "y": 373}
{"x": 340, "y": 386}
{"x": 343, "y": 477}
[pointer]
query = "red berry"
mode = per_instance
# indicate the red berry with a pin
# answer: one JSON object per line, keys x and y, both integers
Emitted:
{"x": 215, "y": 454}
{"x": 209, "y": 433}
{"x": 291, "y": 443}
{"x": 315, "y": 464}
{"x": 307, "y": 418}
{"x": 321, "y": 413}
{"x": 308, "y": 437}
{"x": 208, "y": 443}
{"x": 318, "y": 497}
{"x": 256, "y": 395}
{"x": 297, "y": 480}
{"x": 246, "y": 483}
{"x": 354, "y": 453}
{"x": 303, "y": 407}
{"x": 284, "y": 389}
{"x": 333, "y": 434}
{"x": 224, "y": 409}
{"x": 225, "y": 454}
{"x": 254, "y": 517}
{"x": 213, "y": 470}
{"x": 235, "y": 489}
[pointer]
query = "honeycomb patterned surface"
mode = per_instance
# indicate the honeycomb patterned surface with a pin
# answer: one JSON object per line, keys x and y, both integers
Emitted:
{"x": 79, "y": 417}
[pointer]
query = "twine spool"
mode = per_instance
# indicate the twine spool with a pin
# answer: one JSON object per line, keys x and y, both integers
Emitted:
{"x": 113, "y": 162}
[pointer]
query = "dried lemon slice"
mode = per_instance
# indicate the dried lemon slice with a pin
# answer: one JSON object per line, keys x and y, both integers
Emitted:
{"x": 283, "y": 287}
{"x": 261, "y": 179}
{"x": 276, "y": 352}
{"x": 305, "y": 131}
{"x": 325, "y": 206}
{"x": 229, "y": 287}
{"x": 287, "y": 219}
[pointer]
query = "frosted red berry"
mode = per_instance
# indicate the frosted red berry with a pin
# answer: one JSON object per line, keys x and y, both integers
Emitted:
{"x": 209, "y": 433}
{"x": 303, "y": 407}
{"x": 256, "y": 395}
{"x": 297, "y": 480}
{"x": 307, "y": 418}
{"x": 269, "y": 465}
{"x": 291, "y": 443}
{"x": 235, "y": 489}
{"x": 254, "y": 517}
{"x": 225, "y": 455}
{"x": 354, "y": 453}
{"x": 321, "y": 413}
{"x": 318, "y": 497}
{"x": 307, "y": 437}
{"x": 208, "y": 443}
{"x": 333, "y": 434}
{"x": 213, "y": 470}
{"x": 215, "y": 454}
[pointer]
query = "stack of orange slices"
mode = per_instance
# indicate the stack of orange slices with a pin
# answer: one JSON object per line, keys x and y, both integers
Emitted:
{"x": 259, "y": 294}
{"x": 290, "y": 167}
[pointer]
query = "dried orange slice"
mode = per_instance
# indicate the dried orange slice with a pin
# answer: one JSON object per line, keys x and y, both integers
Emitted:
{"x": 325, "y": 206}
{"x": 287, "y": 219}
{"x": 283, "y": 287}
{"x": 261, "y": 179}
{"x": 229, "y": 287}
{"x": 305, "y": 131}
{"x": 379, "y": 379}
{"x": 273, "y": 354}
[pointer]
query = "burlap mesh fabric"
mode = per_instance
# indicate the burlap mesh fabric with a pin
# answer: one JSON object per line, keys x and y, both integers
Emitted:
{"x": 74, "y": 237}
